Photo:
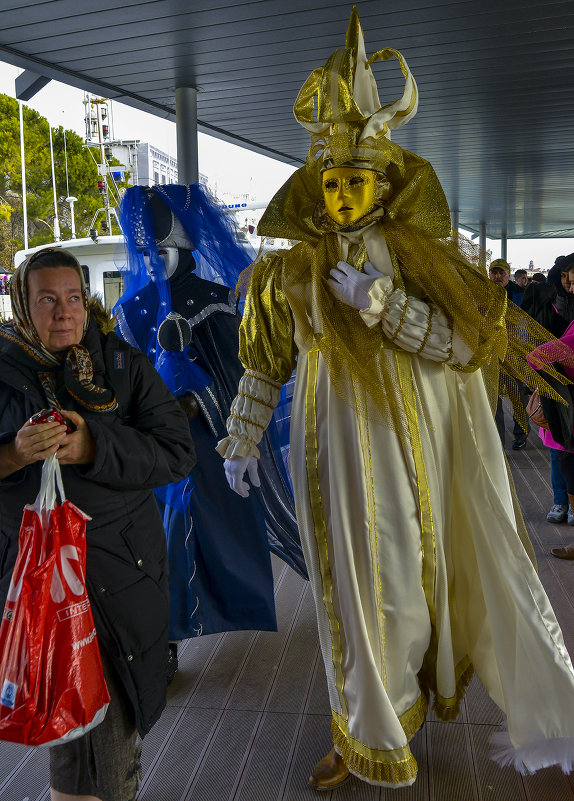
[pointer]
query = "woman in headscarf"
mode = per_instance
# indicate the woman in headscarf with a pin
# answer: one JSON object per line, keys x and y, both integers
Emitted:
{"x": 129, "y": 435}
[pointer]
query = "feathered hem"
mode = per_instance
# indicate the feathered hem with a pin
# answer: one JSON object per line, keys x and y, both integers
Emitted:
{"x": 528, "y": 759}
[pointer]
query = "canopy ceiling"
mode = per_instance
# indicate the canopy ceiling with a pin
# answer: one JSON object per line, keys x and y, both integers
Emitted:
{"x": 496, "y": 82}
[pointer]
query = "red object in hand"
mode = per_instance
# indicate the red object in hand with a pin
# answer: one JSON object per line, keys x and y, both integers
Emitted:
{"x": 52, "y": 686}
{"x": 49, "y": 416}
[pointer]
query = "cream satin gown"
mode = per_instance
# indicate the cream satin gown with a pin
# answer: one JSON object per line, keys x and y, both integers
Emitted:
{"x": 411, "y": 545}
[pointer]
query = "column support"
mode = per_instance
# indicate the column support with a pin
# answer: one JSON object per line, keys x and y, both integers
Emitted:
{"x": 482, "y": 241}
{"x": 186, "y": 126}
{"x": 454, "y": 220}
{"x": 504, "y": 246}
{"x": 482, "y": 236}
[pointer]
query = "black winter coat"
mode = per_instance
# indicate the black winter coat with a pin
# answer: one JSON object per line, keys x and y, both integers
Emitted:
{"x": 142, "y": 445}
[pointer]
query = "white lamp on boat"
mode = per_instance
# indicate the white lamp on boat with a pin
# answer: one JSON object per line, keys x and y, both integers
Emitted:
{"x": 71, "y": 200}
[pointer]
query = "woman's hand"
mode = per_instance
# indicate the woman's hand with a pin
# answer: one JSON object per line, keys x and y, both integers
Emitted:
{"x": 34, "y": 443}
{"x": 79, "y": 446}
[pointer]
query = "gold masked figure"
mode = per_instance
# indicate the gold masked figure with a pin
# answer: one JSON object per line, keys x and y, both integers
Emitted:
{"x": 411, "y": 533}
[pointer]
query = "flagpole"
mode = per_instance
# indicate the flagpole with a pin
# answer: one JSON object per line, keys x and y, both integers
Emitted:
{"x": 56, "y": 220}
{"x": 23, "y": 167}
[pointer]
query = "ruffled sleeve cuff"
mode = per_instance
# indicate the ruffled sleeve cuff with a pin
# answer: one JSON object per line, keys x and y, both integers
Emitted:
{"x": 251, "y": 411}
{"x": 418, "y": 327}
{"x": 230, "y": 447}
{"x": 379, "y": 293}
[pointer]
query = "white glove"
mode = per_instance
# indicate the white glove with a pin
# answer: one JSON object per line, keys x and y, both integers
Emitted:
{"x": 352, "y": 287}
{"x": 235, "y": 469}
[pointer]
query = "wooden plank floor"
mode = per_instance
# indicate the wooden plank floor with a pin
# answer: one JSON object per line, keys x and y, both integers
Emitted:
{"x": 248, "y": 714}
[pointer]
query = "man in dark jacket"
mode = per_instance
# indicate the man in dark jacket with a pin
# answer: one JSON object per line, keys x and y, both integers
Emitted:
{"x": 500, "y": 273}
{"x": 130, "y": 436}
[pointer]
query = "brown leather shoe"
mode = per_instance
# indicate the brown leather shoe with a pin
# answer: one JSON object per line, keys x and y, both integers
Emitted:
{"x": 564, "y": 553}
{"x": 330, "y": 772}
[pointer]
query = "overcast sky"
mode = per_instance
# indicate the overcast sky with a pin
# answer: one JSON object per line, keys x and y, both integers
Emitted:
{"x": 230, "y": 169}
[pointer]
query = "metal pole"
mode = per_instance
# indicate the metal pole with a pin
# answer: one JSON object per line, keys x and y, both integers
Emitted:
{"x": 504, "y": 246}
{"x": 482, "y": 236}
{"x": 56, "y": 220}
{"x": 482, "y": 242}
{"x": 454, "y": 220}
{"x": 186, "y": 124}
{"x": 23, "y": 167}
{"x": 66, "y": 162}
{"x": 71, "y": 200}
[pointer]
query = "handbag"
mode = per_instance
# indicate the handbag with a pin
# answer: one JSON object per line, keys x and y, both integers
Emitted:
{"x": 535, "y": 411}
{"x": 52, "y": 686}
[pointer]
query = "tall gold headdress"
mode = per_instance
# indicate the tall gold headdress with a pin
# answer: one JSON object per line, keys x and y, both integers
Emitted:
{"x": 339, "y": 105}
{"x": 349, "y": 114}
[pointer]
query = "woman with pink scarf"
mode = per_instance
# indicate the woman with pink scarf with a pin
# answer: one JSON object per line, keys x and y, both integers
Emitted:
{"x": 557, "y": 435}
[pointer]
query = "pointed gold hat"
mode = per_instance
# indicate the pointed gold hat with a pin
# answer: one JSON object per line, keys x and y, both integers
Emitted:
{"x": 339, "y": 105}
{"x": 349, "y": 116}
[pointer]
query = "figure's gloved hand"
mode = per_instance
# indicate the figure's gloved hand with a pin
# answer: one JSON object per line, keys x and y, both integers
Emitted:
{"x": 235, "y": 469}
{"x": 352, "y": 287}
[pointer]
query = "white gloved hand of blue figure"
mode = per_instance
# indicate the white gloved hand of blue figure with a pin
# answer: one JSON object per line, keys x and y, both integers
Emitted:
{"x": 235, "y": 469}
{"x": 352, "y": 287}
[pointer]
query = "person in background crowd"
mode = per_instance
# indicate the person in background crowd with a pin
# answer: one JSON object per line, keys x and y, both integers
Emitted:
{"x": 563, "y": 449}
{"x": 130, "y": 435}
{"x": 552, "y": 305}
{"x": 521, "y": 280}
{"x": 538, "y": 278}
{"x": 564, "y": 301}
{"x": 499, "y": 272}
{"x": 550, "y": 302}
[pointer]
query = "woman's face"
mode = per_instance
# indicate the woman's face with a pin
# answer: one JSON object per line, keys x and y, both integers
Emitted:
{"x": 56, "y": 307}
{"x": 570, "y": 274}
{"x": 565, "y": 281}
{"x": 349, "y": 193}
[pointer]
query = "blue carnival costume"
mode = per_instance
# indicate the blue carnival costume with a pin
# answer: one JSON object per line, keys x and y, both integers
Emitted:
{"x": 187, "y": 323}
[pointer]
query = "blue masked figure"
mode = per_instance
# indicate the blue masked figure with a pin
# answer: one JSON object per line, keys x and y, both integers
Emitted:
{"x": 182, "y": 259}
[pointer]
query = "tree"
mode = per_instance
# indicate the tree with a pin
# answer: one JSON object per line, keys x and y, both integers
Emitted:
{"x": 82, "y": 181}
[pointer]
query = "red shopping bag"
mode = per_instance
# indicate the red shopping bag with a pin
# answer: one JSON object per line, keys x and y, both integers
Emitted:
{"x": 51, "y": 682}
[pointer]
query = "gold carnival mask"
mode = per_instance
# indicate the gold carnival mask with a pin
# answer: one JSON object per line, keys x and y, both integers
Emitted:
{"x": 349, "y": 193}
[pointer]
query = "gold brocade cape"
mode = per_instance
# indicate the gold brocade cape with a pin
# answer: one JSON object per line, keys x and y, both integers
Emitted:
{"x": 429, "y": 260}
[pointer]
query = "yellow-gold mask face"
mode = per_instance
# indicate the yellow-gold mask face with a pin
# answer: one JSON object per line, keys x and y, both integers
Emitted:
{"x": 349, "y": 193}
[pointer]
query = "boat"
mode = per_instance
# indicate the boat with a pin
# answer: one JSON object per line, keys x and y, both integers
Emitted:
{"x": 100, "y": 257}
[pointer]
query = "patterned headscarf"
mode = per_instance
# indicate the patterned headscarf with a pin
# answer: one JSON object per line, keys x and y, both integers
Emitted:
{"x": 20, "y": 309}
{"x": 77, "y": 361}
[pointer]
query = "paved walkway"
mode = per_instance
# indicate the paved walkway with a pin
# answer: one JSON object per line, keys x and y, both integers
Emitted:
{"x": 248, "y": 714}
